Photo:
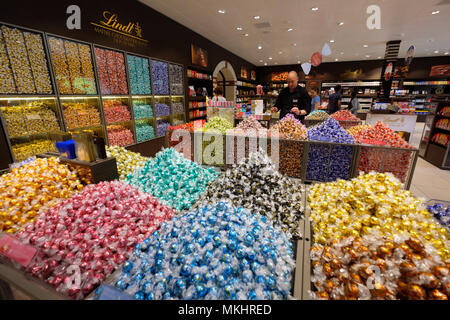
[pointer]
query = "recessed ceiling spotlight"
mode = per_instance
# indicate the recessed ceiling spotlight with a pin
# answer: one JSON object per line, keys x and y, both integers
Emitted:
{"x": 265, "y": 63}
{"x": 446, "y": 53}
{"x": 290, "y": 29}
{"x": 437, "y": 51}
{"x": 336, "y": 59}
{"x": 342, "y": 52}
{"x": 435, "y": 12}
{"x": 270, "y": 58}
{"x": 280, "y": 52}
{"x": 256, "y": 17}
{"x": 378, "y": 57}
{"x": 260, "y": 61}
{"x": 367, "y": 56}
{"x": 314, "y": 8}
{"x": 294, "y": 44}
{"x": 239, "y": 28}
{"x": 365, "y": 46}
{"x": 245, "y": 34}
{"x": 332, "y": 41}
{"x": 298, "y": 61}
{"x": 259, "y": 47}
{"x": 340, "y": 23}
{"x": 221, "y": 11}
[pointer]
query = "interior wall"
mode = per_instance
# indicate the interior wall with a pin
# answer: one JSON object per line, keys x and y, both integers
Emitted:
{"x": 353, "y": 70}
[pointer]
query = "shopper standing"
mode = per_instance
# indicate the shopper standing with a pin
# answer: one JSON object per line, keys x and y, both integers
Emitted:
{"x": 354, "y": 103}
{"x": 218, "y": 94}
{"x": 334, "y": 103}
{"x": 315, "y": 99}
{"x": 294, "y": 99}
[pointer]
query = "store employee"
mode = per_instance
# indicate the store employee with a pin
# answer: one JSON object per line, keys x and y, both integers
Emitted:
{"x": 293, "y": 99}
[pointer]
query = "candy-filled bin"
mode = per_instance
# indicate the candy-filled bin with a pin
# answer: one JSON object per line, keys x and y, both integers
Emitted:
{"x": 163, "y": 114}
{"x": 28, "y": 123}
{"x": 24, "y": 67}
{"x": 111, "y": 71}
{"x": 178, "y": 110}
{"x": 400, "y": 162}
{"x": 139, "y": 73}
{"x": 144, "y": 118}
{"x": 73, "y": 66}
{"x": 160, "y": 77}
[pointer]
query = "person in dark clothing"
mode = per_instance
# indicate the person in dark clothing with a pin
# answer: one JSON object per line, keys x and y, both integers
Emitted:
{"x": 334, "y": 103}
{"x": 294, "y": 99}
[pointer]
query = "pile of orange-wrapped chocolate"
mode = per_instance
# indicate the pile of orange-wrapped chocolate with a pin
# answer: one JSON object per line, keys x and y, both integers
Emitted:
{"x": 374, "y": 268}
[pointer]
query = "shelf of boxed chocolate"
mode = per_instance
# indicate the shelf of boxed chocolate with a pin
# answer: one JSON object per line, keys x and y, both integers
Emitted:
{"x": 53, "y": 83}
{"x": 306, "y": 228}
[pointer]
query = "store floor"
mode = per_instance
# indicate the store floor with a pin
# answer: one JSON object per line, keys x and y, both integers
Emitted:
{"x": 429, "y": 182}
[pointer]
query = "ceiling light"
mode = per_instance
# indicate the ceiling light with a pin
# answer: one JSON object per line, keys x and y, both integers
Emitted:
{"x": 340, "y": 24}
{"x": 342, "y": 52}
{"x": 239, "y": 28}
{"x": 259, "y": 47}
{"x": 276, "y": 62}
{"x": 290, "y": 29}
{"x": 336, "y": 59}
{"x": 446, "y": 53}
{"x": 256, "y": 17}
{"x": 314, "y": 9}
{"x": 221, "y": 11}
{"x": 270, "y": 58}
{"x": 436, "y": 51}
{"x": 265, "y": 63}
{"x": 365, "y": 46}
{"x": 245, "y": 34}
{"x": 378, "y": 57}
{"x": 294, "y": 44}
{"x": 435, "y": 12}
{"x": 280, "y": 52}
{"x": 298, "y": 61}
{"x": 260, "y": 61}
{"x": 367, "y": 56}
{"x": 332, "y": 41}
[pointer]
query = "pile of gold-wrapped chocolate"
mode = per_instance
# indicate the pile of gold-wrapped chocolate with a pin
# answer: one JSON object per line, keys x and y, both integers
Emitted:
{"x": 80, "y": 115}
{"x": 371, "y": 223}
{"x": 379, "y": 268}
{"x": 35, "y": 186}
{"x": 127, "y": 161}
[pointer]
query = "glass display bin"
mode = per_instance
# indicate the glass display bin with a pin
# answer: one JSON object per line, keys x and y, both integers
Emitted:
{"x": 28, "y": 122}
{"x": 162, "y": 114}
{"x": 178, "y": 110}
{"x": 83, "y": 113}
{"x": 119, "y": 120}
{"x": 144, "y": 120}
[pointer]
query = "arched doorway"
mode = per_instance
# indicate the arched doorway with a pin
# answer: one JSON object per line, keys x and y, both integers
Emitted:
{"x": 225, "y": 77}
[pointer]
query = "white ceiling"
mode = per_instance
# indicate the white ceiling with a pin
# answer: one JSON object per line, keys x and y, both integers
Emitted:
{"x": 408, "y": 20}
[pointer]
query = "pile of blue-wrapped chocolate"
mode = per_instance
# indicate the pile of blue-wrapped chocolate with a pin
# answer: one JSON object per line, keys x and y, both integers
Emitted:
{"x": 441, "y": 212}
{"x": 215, "y": 252}
{"x": 326, "y": 162}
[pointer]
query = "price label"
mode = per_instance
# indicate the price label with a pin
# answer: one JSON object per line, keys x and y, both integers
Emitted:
{"x": 33, "y": 117}
{"x": 15, "y": 250}
{"x": 107, "y": 292}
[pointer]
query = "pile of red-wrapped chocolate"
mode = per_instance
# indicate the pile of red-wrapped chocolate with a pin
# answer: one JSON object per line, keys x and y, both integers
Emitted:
{"x": 116, "y": 111}
{"x": 83, "y": 239}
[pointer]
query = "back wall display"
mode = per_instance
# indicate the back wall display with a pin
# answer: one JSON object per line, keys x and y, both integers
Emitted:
{"x": 199, "y": 56}
{"x": 440, "y": 71}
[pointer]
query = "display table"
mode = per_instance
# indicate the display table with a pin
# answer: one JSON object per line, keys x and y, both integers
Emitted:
{"x": 397, "y": 122}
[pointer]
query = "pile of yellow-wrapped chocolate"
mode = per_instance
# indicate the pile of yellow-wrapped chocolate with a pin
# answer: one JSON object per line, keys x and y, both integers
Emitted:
{"x": 33, "y": 118}
{"x": 127, "y": 161}
{"x": 374, "y": 209}
{"x": 25, "y": 150}
{"x": 36, "y": 186}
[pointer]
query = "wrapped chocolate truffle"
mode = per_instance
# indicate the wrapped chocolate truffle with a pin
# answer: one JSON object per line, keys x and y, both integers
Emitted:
{"x": 216, "y": 252}
{"x": 128, "y": 162}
